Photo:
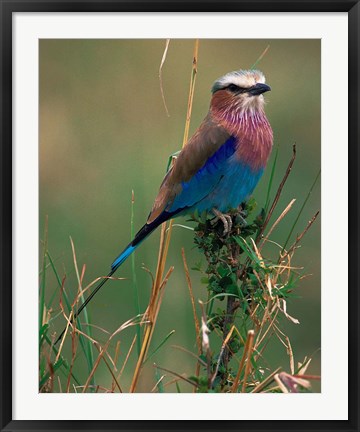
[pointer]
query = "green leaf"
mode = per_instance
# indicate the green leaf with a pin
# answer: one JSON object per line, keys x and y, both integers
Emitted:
{"x": 47, "y": 375}
{"x": 233, "y": 289}
{"x": 52, "y": 265}
{"x": 225, "y": 282}
{"x": 247, "y": 250}
{"x": 64, "y": 362}
{"x": 222, "y": 296}
{"x": 160, "y": 345}
{"x": 183, "y": 226}
{"x": 267, "y": 201}
{"x": 223, "y": 270}
{"x": 159, "y": 383}
{"x": 301, "y": 210}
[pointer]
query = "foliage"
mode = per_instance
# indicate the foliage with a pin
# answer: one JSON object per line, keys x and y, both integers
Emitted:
{"x": 254, "y": 289}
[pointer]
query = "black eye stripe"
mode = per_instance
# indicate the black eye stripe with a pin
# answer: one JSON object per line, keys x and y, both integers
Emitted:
{"x": 235, "y": 89}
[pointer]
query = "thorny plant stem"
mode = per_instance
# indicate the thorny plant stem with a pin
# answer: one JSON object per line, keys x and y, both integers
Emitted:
{"x": 232, "y": 304}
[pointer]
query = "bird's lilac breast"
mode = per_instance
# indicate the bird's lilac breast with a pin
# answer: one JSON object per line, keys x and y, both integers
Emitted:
{"x": 250, "y": 127}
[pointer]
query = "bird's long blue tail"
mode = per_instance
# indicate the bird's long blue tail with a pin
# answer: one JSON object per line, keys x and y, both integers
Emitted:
{"x": 123, "y": 256}
{"x": 145, "y": 231}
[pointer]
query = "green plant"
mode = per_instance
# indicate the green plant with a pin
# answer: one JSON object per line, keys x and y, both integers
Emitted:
{"x": 247, "y": 294}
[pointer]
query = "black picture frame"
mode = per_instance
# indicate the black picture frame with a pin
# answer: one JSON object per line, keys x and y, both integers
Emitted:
{"x": 7, "y": 9}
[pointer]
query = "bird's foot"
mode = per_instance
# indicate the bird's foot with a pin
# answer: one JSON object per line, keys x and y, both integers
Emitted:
{"x": 225, "y": 219}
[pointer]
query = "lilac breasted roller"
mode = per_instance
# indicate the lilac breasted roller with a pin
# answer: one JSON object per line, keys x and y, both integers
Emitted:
{"x": 220, "y": 165}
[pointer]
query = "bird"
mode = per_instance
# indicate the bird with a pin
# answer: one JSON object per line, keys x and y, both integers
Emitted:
{"x": 220, "y": 165}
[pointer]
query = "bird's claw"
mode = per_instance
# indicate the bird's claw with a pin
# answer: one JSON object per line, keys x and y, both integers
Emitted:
{"x": 225, "y": 219}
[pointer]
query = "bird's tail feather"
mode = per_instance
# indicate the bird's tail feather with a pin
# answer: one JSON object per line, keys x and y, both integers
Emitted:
{"x": 123, "y": 256}
{"x": 145, "y": 231}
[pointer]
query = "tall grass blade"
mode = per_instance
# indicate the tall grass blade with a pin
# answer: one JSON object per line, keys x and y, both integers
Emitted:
{"x": 159, "y": 383}
{"x": 69, "y": 308}
{"x": 88, "y": 349}
{"x": 277, "y": 196}
{"x": 52, "y": 265}
{"x": 68, "y": 305}
{"x": 43, "y": 278}
{"x": 160, "y": 75}
{"x": 55, "y": 366}
{"x": 133, "y": 276}
{"x": 300, "y": 211}
{"x": 167, "y": 337}
{"x": 267, "y": 201}
{"x": 64, "y": 362}
{"x": 260, "y": 57}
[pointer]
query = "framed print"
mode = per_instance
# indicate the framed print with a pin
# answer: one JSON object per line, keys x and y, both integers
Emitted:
{"x": 180, "y": 213}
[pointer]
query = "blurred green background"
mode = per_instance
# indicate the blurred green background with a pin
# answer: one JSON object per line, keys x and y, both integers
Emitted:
{"x": 104, "y": 132}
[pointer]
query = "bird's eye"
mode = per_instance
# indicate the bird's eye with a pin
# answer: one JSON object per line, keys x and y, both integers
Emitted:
{"x": 233, "y": 88}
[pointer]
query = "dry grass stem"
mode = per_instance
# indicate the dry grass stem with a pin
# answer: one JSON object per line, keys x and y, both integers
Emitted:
{"x": 278, "y": 220}
{"x": 246, "y": 356}
{"x": 175, "y": 374}
{"x": 302, "y": 367}
{"x": 290, "y": 384}
{"x": 157, "y": 383}
{"x": 165, "y": 236}
{"x": 291, "y": 355}
{"x": 190, "y": 353}
{"x": 299, "y": 237}
{"x": 262, "y": 55}
{"x": 278, "y": 193}
{"x": 196, "y": 321}
{"x": 259, "y": 342}
{"x": 103, "y": 350}
{"x": 266, "y": 381}
{"x": 223, "y": 346}
{"x": 126, "y": 360}
{"x": 280, "y": 384}
{"x": 167, "y": 43}
{"x": 248, "y": 360}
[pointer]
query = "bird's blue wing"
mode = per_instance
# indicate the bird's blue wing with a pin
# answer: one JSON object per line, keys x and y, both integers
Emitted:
{"x": 205, "y": 180}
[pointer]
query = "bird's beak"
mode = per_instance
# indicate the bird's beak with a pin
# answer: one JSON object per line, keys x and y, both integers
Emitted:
{"x": 258, "y": 89}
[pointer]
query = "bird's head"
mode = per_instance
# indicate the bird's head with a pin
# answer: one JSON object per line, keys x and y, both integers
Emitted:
{"x": 240, "y": 91}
